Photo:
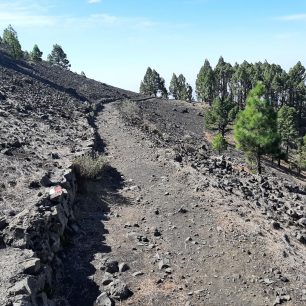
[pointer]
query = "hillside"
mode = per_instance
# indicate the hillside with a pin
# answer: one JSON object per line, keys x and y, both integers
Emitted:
{"x": 170, "y": 223}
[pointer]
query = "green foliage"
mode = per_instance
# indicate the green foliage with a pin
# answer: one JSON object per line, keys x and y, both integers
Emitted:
{"x": 223, "y": 73}
{"x": 89, "y": 166}
{"x": 189, "y": 93}
{"x": 58, "y": 57}
{"x": 286, "y": 125}
{"x": 220, "y": 114}
{"x": 255, "y": 130}
{"x": 10, "y": 38}
{"x": 173, "y": 88}
{"x": 241, "y": 82}
{"x": 36, "y": 54}
{"x": 153, "y": 84}
{"x": 205, "y": 83}
{"x": 219, "y": 143}
{"x": 299, "y": 159}
{"x": 179, "y": 89}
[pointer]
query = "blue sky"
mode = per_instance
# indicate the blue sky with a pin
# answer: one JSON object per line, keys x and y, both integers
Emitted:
{"x": 114, "y": 41}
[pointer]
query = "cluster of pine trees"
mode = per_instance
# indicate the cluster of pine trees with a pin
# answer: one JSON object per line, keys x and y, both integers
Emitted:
{"x": 11, "y": 42}
{"x": 235, "y": 82}
{"x": 266, "y": 104}
{"x": 154, "y": 85}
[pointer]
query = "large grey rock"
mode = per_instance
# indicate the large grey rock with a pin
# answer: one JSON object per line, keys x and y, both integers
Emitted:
{"x": 103, "y": 300}
{"x": 111, "y": 266}
{"x": 302, "y": 222}
{"x": 107, "y": 279}
{"x": 118, "y": 290}
{"x": 31, "y": 266}
{"x": 3, "y": 223}
{"x": 123, "y": 267}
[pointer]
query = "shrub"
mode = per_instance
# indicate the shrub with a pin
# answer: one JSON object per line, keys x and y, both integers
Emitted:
{"x": 36, "y": 54}
{"x": 90, "y": 166}
{"x": 10, "y": 38}
{"x": 219, "y": 143}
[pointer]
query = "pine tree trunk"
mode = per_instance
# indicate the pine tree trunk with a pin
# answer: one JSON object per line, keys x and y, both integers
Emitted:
{"x": 258, "y": 163}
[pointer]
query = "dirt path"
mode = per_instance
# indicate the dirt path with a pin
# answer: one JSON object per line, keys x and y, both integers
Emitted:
{"x": 182, "y": 246}
{"x": 214, "y": 258}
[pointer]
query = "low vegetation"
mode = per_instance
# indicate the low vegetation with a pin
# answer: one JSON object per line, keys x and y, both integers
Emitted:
{"x": 269, "y": 119}
{"x": 90, "y": 167}
{"x": 219, "y": 144}
{"x": 153, "y": 84}
{"x": 58, "y": 57}
{"x": 10, "y": 40}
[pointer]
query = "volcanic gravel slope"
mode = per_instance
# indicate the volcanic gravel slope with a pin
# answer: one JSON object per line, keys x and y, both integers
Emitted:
{"x": 169, "y": 224}
{"x": 184, "y": 239}
{"x": 46, "y": 119}
{"x": 44, "y": 124}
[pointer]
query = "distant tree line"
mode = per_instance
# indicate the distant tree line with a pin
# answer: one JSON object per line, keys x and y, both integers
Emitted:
{"x": 10, "y": 40}
{"x": 265, "y": 104}
{"x": 235, "y": 82}
{"x": 154, "y": 85}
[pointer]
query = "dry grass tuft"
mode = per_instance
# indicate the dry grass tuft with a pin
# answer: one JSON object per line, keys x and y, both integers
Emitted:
{"x": 90, "y": 166}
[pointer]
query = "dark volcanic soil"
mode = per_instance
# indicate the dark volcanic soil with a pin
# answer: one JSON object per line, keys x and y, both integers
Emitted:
{"x": 186, "y": 240}
{"x": 46, "y": 120}
{"x": 170, "y": 223}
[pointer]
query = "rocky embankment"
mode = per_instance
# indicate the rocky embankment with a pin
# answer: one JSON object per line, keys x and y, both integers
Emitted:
{"x": 179, "y": 125}
{"x": 275, "y": 201}
{"x": 170, "y": 224}
{"x": 46, "y": 119}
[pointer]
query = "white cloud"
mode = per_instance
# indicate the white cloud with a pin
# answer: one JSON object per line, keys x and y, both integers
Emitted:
{"x": 296, "y": 17}
{"x": 25, "y": 19}
{"x": 107, "y": 20}
{"x": 25, "y": 13}
{"x": 93, "y": 1}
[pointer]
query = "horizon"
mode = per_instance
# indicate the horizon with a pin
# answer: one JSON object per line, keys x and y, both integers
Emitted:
{"x": 115, "y": 41}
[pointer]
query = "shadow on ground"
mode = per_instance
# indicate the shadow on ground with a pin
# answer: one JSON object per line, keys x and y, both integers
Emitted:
{"x": 92, "y": 208}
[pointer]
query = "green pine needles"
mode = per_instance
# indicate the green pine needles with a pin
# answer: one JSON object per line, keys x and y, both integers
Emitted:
{"x": 255, "y": 130}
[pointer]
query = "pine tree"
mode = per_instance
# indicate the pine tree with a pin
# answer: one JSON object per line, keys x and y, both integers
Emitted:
{"x": 297, "y": 88}
{"x": 153, "y": 84}
{"x": 10, "y": 38}
{"x": 220, "y": 114}
{"x": 223, "y": 74}
{"x": 205, "y": 83}
{"x": 255, "y": 130}
{"x": 219, "y": 143}
{"x": 179, "y": 89}
{"x": 173, "y": 88}
{"x": 286, "y": 125}
{"x": 299, "y": 159}
{"x": 189, "y": 92}
{"x": 36, "y": 54}
{"x": 241, "y": 83}
{"x": 58, "y": 57}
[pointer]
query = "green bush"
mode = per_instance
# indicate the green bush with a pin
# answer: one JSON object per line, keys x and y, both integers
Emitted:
{"x": 219, "y": 143}
{"x": 89, "y": 166}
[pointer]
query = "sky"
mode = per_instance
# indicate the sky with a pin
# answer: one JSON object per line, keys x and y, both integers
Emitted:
{"x": 114, "y": 41}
